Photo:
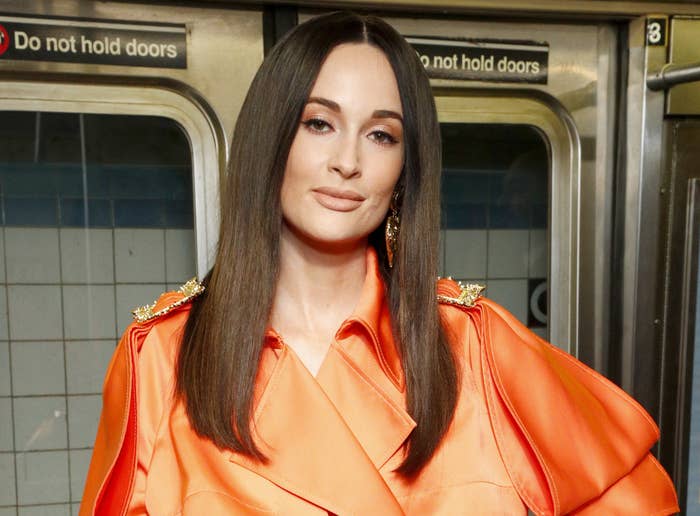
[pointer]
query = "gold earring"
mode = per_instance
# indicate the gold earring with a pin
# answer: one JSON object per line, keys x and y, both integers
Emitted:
{"x": 391, "y": 231}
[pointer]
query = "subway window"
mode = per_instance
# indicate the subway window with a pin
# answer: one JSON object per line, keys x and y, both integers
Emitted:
{"x": 495, "y": 198}
{"x": 96, "y": 218}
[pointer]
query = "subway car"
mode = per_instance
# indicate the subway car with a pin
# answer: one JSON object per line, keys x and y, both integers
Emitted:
{"x": 571, "y": 189}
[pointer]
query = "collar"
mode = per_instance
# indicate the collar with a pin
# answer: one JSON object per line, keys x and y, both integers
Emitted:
{"x": 370, "y": 320}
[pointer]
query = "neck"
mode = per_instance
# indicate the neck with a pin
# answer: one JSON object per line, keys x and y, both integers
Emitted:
{"x": 317, "y": 288}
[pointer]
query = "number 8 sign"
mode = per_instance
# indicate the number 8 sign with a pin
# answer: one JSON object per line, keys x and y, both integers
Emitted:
{"x": 657, "y": 31}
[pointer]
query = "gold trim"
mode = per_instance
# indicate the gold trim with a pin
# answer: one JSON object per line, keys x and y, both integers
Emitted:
{"x": 470, "y": 293}
{"x": 189, "y": 290}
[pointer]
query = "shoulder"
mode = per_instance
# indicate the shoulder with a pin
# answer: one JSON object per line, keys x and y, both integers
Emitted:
{"x": 156, "y": 329}
{"x": 461, "y": 307}
{"x": 532, "y": 387}
{"x": 456, "y": 293}
{"x": 469, "y": 299}
{"x": 168, "y": 302}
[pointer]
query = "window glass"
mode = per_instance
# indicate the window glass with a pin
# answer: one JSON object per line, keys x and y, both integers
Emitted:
{"x": 495, "y": 199}
{"x": 96, "y": 218}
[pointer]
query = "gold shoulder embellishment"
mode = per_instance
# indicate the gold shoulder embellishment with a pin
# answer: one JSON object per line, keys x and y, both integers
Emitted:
{"x": 470, "y": 293}
{"x": 189, "y": 290}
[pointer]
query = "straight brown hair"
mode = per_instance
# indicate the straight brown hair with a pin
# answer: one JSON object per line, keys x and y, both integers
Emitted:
{"x": 222, "y": 342}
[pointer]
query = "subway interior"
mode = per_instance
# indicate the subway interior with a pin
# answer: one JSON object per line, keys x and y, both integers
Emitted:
{"x": 570, "y": 190}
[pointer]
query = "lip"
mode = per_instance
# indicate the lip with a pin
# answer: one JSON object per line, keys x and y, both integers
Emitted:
{"x": 337, "y": 199}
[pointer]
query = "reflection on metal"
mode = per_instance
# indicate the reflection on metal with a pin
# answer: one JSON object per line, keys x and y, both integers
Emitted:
{"x": 509, "y": 8}
{"x": 638, "y": 302}
{"x": 671, "y": 75}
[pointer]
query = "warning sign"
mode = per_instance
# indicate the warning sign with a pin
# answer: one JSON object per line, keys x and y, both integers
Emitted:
{"x": 73, "y": 40}
{"x": 483, "y": 60}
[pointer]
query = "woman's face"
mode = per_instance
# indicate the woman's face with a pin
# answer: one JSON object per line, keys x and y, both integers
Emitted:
{"x": 347, "y": 154}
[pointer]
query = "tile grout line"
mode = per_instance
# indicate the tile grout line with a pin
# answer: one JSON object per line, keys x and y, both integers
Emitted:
{"x": 65, "y": 360}
{"x": 114, "y": 282}
{"x": 9, "y": 359}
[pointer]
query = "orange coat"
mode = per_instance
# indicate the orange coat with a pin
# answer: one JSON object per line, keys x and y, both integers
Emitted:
{"x": 533, "y": 427}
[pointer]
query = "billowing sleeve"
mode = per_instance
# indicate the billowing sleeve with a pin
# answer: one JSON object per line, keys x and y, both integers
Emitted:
{"x": 155, "y": 388}
{"x": 571, "y": 440}
{"x": 111, "y": 471}
{"x": 138, "y": 385}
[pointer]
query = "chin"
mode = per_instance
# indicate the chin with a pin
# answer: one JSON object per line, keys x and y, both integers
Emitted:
{"x": 331, "y": 237}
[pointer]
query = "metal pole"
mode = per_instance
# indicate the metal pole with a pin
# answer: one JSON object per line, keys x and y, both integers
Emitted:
{"x": 671, "y": 74}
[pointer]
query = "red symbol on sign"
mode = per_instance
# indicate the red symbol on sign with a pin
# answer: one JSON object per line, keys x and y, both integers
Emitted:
{"x": 4, "y": 40}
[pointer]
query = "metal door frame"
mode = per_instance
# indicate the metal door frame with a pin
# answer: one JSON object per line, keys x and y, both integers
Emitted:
{"x": 206, "y": 142}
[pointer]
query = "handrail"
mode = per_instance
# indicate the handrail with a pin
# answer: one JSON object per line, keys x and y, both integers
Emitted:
{"x": 672, "y": 74}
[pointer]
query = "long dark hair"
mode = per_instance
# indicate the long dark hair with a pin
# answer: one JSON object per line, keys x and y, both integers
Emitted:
{"x": 219, "y": 357}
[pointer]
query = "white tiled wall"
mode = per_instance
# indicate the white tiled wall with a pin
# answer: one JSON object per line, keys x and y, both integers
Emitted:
{"x": 7, "y": 479}
{"x": 86, "y": 362}
{"x": 40, "y": 423}
{"x": 5, "y": 388}
{"x": 35, "y": 312}
{"x": 45, "y": 510}
{"x": 87, "y": 256}
{"x": 464, "y": 253}
{"x": 88, "y": 311}
{"x": 3, "y": 316}
{"x": 45, "y": 362}
{"x": 42, "y": 477}
{"x": 502, "y": 259}
{"x": 139, "y": 255}
{"x": 179, "y": 255}
{"x": 6, "y": 443}
{"x": 66, "y": 296}
{"x": 538, "y": 253}
{"x": 32, "y": 256}
{"x": 508, "y": 253}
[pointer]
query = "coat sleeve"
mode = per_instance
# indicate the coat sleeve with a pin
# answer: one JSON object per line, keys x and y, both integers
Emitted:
{"x": 110, "y": 475}
{"x": 644, "y": 490}
{"x": 571, "y": 441}
{"x": 137, "y": 383}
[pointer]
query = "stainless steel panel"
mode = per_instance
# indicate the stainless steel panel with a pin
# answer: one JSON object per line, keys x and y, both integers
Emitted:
{"x": 542, "y": 8}
{"x": 642, "y": 177}
{"x": 225, "y": 48}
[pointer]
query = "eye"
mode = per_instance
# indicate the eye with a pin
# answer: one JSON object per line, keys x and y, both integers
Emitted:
{"x": 382, "y": 138}
{"x": 317, "y": 125}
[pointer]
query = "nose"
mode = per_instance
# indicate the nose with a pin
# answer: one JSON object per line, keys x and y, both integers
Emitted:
{"x": 345, "y": 159}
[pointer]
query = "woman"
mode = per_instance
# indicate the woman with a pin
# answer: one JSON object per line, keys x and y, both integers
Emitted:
{"x": 314, "y": 372}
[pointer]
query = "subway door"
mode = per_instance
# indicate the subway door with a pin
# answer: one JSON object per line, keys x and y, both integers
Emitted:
{"x": 525, "y": 111}
{"x": 108, "y": 197}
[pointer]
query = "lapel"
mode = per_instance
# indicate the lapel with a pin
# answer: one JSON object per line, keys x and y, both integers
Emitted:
{"x": 327, "y": 437}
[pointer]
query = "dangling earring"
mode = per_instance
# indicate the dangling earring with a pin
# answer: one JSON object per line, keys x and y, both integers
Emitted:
{"x": 392, "y": 230}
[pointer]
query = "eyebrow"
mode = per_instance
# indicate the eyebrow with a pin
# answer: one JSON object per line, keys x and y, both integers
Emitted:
{"x": 379, "y": 113}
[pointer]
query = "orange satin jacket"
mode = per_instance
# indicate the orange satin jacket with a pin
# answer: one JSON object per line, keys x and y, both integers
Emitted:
{"x": 533, "y": 428}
